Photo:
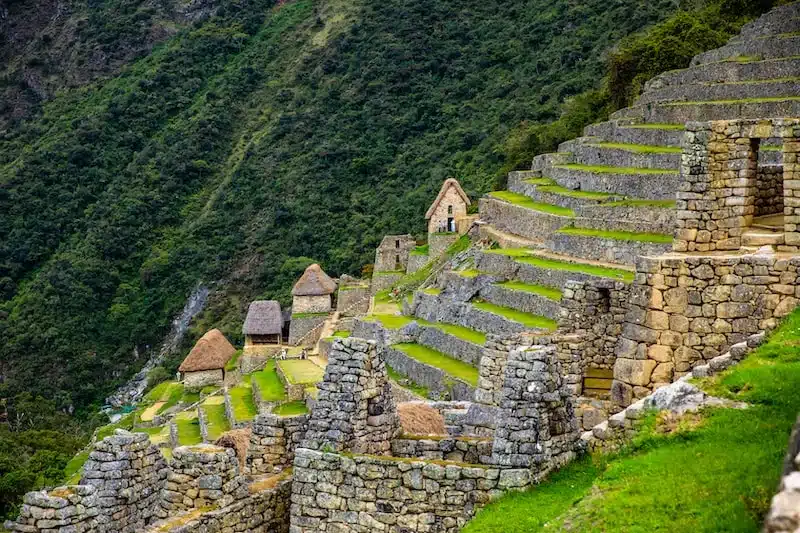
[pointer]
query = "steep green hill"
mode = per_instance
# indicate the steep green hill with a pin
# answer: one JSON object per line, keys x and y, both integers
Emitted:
{"x": 251, "y": 141}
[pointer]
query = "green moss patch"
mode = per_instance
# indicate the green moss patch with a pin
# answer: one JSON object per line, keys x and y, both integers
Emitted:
{"x": 548, "y": 292}
{"x": 617, "y": 235}
{"x": 528, "y": 320}
{"x": 447, "y": 364}
{"x": 433, "y": 291}
{"x": 524, "y": 201}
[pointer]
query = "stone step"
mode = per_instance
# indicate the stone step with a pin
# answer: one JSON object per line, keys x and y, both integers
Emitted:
{"x": 627, "y": 132}
{"x": 651, "y": 184}
{"x": 758, "y": 237}
{"x": 458, "y": 342}
{"x": 729, "y": 72}
{"x": 611, "y": 246}
{"x": 592, "y": 151}
{"x": 681, "y": 112}
{"x": 519, "y": 219}
{"x": 518, "y": 176}
{"x": 528, "y": 298}
{"x": 688, "y": 92}
{"x": 547, "y": 191}
{"x": 545, "y": 161}
{"x": 782, "y": 19}
{"x": 765, "y": 47}
{"x": 444, "y": 376}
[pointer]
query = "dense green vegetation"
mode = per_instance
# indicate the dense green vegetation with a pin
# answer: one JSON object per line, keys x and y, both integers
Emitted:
{"x": 709, "y": 473}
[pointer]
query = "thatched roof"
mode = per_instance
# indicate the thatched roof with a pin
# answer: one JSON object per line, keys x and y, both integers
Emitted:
{"x": 449, "y": 182}
{"x": 263, "y": 318}
{"x": 211, "y": 352}
{"x": 314, "y": 282}
{"x": 238, "y": 440}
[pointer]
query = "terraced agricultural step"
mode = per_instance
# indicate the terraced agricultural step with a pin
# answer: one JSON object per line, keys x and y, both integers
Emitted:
{"x": 528, "y": 321}
{"x": 188, "y": 428}
{"x": 518, "y": 176}
{"x": 506, "y": 239}
{"x": 712, "y": 110}
{"x": 782, "y": 19}
{"x": 520, "y": 217}
{"x": 458, "y": 342}
{"x": 603, "y": 153}
{"x": 780, "y": 87}
{"x": 433, "y": 370}
{"x": 549, "y": 269}
{"x": 728, "y": 71}
{"x": 612, "y": 246}
{"x": 654, "y": 184}
{"x": 526, "y": 297}
{"x": 643, "y": 216}
{"x": 244, "y": 405}
{"x": 216, "y": 421}
{"x": 546, "y": 190}
{"x": 764, "y": 47}
{"x": 622, "y": 131}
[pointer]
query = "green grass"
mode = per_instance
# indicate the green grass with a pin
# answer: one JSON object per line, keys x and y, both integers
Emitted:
{"x": 639, "y": 148}
{"x": 417, "y": 389}
{"x": 770, "y": 148}
{"x": 540, "y": 181}
{"x": 244, "y": 407}
{"x": 216, "y": 421}
{"x": 233, "y": 362}
{"x": 126, "y": 422}
{"x": 188, "y": 429}
{"x": 718, "y": 475}
{"x": 603, "y": 169}
{"x": 468, "y": 273}
{"x": 592, "y": 270}
{"x": 563, "y": 191}
{"x": 190, "y": 396}
{"x": 390, "y": 321}
{"x": 433, "y": 291}
{"x": 670, "y": 204}
{"x": 297, "y": 407}
{"x": 510, "y": 252}
{"x": 72, "y": 471}
{"x": 466, "y": 334}
{"x": 523, "y": 201}
{"x": 169, "y": 392}
{"x": 421, "y": 250}
{"x": 341, "y": 334}
{"x": 449, "y": 365}
{"x": 655, "y": 126}
{"x": 526, "y": 319}
{"x": 617, "y": 235}
{"x": 269, "y": 384}
{"x": 301, "y": 371}
{"x": 548, "y": 292}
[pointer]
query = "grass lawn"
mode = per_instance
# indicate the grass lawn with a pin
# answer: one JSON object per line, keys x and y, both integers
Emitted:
{"x": 297, "y": 407}
{"x": 216, "y": 421}
{"x": 540, "y": 181}
{"x": 188, "y": 429}
{"x": 618, "y": 235}
{"x": 602, "y": 169}
{"x": 593, "y": 270}
{"x": 167, "y": 394}
{"x": 526, "y": 319}
{"x": 421, "y": 250}
{"x": 233, "y": 362}
{"x": 524, "y": 201}
{"x": 466, "y": 334}
{"x": 448, "y": 364}
{"x": 391, "y": 321}
{"x": 417, "y": 389}
{"x": 72, "y": 471}
{"x": 244, "y": 407}
{"x": 468, "y": 273}
{"x": 714, "y": 474}
{"x": 640, "y": 148}
{"x": 269, "y": 384}
{"x": 301, "y": 371}
{"x": 548, "y": 292}
{"x": 190, "y": 396}
{"x": 341, "y": 334}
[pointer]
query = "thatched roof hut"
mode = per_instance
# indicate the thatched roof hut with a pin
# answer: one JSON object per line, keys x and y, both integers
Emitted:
{"x": 211, "y": 352}
{"x": 263, "y": 318}
{"x": 314, "y": 282}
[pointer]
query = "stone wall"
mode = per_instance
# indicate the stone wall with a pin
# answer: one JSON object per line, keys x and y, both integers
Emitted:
{"x": 354, "y": 409}
{"x": 201, "y": 378}
{"x": 62, "y": 510}
{"x": 272, "y": 442}
{"x": 491, "y": 370}
{"x": 363, "y": 494}
{"x": 311, "y": 304}
{"x": 438, "y": 220}
{"x": 769, "y": 190}
{"x": 353, "y": 300}
{"x": 416, "y": 261}
{"x": 438, "y": 243}
{"x": 383, "y": 280}
{"x": 392, "y": 253}
{"x": 302, "y": 325}
{"x": 687, "y": 310}
{"x": 459, "y": 449}
{"x": 450, "y": 344}
{"x": 441, "y": 385}
{"x": 784, "y": 512}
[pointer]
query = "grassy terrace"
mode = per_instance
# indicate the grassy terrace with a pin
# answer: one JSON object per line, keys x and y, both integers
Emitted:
{"x": 244, "y": 407}
{"x": 454, "y": 367}
{"x": 708, "y": 472}
{"x": 548, "y": 292}
{"x": 528, "y": 320}
{"x": 163, "y": 396}
{"x": 417, "y": 389}
{"x": 639, "y": 148}
{"x": 188, "y": 428}
{"x": 540, "y": 181}
{"x": 524, "y": 256}
{"x": 466, "y": 334}
{"x": 269, "y": 384}
{"x": 617, "y": 235}
{"x": 468, "y": 273}
{"x": 602, "y": 169}
{"x": 301, "y": 371}
{"x": 233, "y": 362}
{"x": 523, "y": 201}
{"x": 654, "y": 126}
{"x": 433, "y": 291}
{"x": 216, "y": 420}
{"x": 390, "y": 321}
{"x": 297, "y": 407}
{"x": 563, "y": 191}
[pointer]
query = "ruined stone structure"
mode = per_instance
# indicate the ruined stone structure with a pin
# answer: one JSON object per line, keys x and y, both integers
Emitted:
{"x": 392, "y": 254}
{"x": 450, "y": 204}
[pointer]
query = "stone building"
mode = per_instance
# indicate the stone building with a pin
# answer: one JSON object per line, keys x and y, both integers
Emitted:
{"x": 393, "y": 252}
{"x": 450, "y": 204}
{"x": 312, "y": 292}
{"x": 205, "y": 364}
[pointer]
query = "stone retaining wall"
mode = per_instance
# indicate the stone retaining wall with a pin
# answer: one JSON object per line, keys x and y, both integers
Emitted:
{"x": 416, "y": 261}
{"x": 383, "y": 280}
{"x": 438, "y": 243}
{"x": 627, "y": 218}
{"x": 462, "y": 450}
{"x": 450, "y": 344}
{"x": 784, "y": 512}
{"x": 440, "y": 383}
{"x": 272, "y": 442}
{"x": 300, "y": 326}
{"x": 769, "y": 190}
{"x": 686, "y": 310}
{"x": 353, "y": 300}
{"x": 524, "y": 301}
{"x": 618, "y": 251}
{"x": 62, "y": 510}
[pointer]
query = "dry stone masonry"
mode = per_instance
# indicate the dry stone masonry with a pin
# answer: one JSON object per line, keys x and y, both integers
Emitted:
{"x": 784, "y": 513}
{"x": 272, "y": 442}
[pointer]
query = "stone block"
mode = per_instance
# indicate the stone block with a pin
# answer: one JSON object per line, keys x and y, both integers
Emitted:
{"x": 634, "y": 372}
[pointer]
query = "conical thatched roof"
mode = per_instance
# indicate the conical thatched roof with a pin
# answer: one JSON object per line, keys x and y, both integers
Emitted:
{"x": 449, "y": 182}
{"x": 211, "y": 352}
{"x": 263, "y": 318}
{"x": 314, "y": 282}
